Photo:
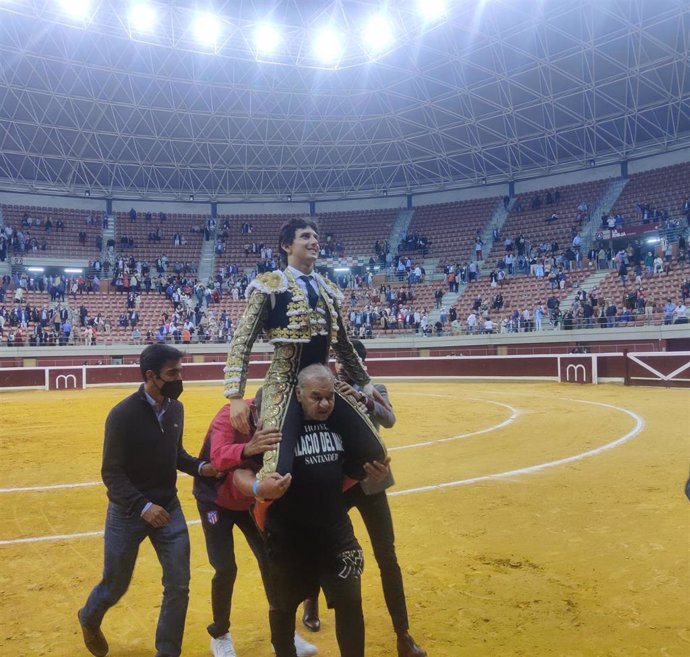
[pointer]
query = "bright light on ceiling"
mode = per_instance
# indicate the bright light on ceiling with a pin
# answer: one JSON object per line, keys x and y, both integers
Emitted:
{"x": 267, "y": 38}
{"x": 327, "y": 46}
{"x": 142, "y": 17}
{"x": 432, "y": 9}
{"x": 207, "y": 29}
{"x": 378, "y": 34}
{"x": 76, "y": 8}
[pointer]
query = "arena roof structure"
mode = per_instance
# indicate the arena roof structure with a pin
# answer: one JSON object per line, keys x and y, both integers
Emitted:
{"x": 489, "y": 91}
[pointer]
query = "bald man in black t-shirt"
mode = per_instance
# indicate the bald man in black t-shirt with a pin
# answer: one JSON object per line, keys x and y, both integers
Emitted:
{"x": 309, "y": 536}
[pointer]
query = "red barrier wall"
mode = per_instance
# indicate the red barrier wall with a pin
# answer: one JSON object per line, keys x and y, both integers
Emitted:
{"x": 640, "y": 368}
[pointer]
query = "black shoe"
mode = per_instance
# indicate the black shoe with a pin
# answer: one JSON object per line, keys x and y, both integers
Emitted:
{"x": 407, "y": 646}
{"x": 93, "y": 639}
{"x": 310, "y": 617}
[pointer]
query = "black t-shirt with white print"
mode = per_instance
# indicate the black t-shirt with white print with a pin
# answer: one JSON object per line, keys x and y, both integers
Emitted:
{"x": 315, "y": 496}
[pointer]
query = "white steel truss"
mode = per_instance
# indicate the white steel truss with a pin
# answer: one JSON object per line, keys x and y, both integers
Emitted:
{"x": 499, "y": 90}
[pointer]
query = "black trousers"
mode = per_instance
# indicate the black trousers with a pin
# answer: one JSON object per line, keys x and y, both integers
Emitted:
{"x": 218, "y": 525}
{"x": 376, "y": 515}
{"x": 303, "y": 559}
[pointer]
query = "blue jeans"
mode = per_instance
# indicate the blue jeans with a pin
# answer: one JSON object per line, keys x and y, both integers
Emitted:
{"x": 123, "y": 535}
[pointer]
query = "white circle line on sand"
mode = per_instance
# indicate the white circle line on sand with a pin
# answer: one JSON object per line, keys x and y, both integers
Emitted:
{"x": 639, "y": 425}
{"x": 29, "y": 489}
{"x": 514, "y": 413}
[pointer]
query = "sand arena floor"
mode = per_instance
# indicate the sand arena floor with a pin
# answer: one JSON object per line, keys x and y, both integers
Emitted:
{"x": 532, "y": 519}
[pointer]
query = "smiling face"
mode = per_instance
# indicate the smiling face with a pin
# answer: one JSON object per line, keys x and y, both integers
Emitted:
{"x": 303, "y": 252}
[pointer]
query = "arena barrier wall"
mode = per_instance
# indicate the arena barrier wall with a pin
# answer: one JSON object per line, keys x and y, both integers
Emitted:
{"x": 669, "y": 369}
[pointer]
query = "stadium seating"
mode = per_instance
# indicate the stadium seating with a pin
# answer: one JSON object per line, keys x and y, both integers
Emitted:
{"x": 451, "y": 228}
{"x": 532, "y": 224}
{"x": 664, "y": 189}
{"x": 519, "y": 292}
{"x": 59, "y": 243}
{"x": 189, "y": 226}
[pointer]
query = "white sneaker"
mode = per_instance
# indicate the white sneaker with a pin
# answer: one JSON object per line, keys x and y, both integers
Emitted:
{"x": 304, "y": 648}
{"x": 223, "y": 646}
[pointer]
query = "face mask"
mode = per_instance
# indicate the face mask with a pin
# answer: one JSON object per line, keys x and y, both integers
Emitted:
{"x": 172, "y": 389}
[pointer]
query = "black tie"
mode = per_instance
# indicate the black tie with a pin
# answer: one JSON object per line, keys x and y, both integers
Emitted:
{"x": 311, "y": 292}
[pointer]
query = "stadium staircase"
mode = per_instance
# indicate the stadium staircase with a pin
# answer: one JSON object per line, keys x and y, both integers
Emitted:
{"x": 498, "y": 218}
{"x": 399, "y": 228}
{"x": 587, "y": 285}
{"x": 107, "y": 235}
{"x": 604, "y": 206}
{"x": 5, "y": 268}
{"x": 448, "y": 300}
{"x": 207, "y": 260}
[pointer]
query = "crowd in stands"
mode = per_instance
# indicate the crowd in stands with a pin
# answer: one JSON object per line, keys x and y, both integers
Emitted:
{"x": 414, "y": 242}
{"x": 156, "y": 297}
{"x": 31, "y": 233}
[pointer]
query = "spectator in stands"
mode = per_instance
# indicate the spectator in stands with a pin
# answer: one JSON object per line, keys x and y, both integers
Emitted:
{"x": 471, "y": 322}
{"x": 610, "y": 312}
{"x": 658, "y": 265}
{"x": 478, "y": 246}
{"x": 568, "y": 321}
{"x": 438, "y": 296}
{"x": 538, "y": 316}
{"x": 626, "y": 317}
{"x": 623, "y": 273}
{"x": 669, "y": 311}
{"x": 680, "y": 314}
{"x": 472, "y": 272}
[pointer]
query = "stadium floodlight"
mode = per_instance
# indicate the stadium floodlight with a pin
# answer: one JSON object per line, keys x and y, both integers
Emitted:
{"x": 432, "y": 10}
{"x": 377, "y": 34}
{"x": 77, "y": 9}
{"x": 36, "y": 270}
{"x": 327, "y": 46}
{"x": 207, "y": 29}
{"x": 266, "y": 38}
{"x": 73, "y": 270}
{"x": 142, "y": 17}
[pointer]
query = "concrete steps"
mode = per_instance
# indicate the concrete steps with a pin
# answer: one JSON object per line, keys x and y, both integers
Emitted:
{"x": 603, "y": 206}
{"x": 587, "y": 285}
{"x": 207, "y": 260}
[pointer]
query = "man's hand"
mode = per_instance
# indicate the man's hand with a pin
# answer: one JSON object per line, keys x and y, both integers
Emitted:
{"x": 207, "y": 470}
{"x": 156, "y": 516}
{"x": 239, "y": 414}
{"x": 262, "y": 441}
{"x": 381, "y": 399}
{"x": 376, "y": 472}
{"x": 273, "y": 486}
{"x": 346, "y": 390}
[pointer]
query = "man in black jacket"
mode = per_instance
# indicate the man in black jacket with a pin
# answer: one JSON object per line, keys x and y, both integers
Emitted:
{"x": 141, "y": 455}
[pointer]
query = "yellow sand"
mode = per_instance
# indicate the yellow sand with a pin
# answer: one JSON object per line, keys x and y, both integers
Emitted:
{"x": 588, "y": 557}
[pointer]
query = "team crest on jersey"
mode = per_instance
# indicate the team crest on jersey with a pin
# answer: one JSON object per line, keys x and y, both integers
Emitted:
{"x": 212, "y": 517}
